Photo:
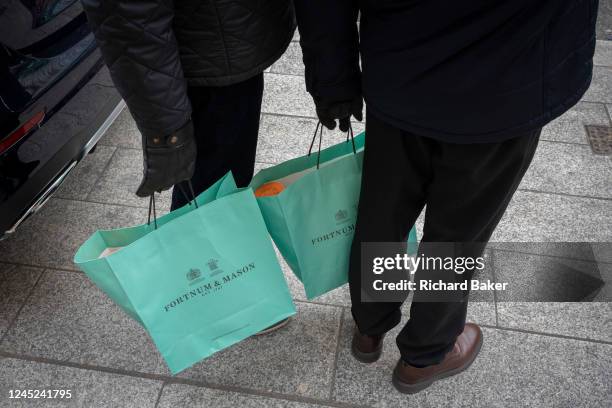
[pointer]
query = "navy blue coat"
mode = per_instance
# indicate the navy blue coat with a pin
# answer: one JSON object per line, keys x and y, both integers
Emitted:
{"x": 459, "y": 71}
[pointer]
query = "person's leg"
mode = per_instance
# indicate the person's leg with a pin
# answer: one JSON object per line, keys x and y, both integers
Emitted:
{"x": 226, "y": 124}
{"x": 396, "y": 170}
{"x": 470, "y": 190}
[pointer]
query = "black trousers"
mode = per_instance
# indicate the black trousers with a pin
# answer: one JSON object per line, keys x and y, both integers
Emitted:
{"x": 226, "y": 124}
{"x": 466, "y": 189}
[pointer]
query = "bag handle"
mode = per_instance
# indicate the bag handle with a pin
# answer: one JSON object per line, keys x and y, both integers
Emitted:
{"x": 319, "y": 129}
{"x": 352, "y": 136}
{"x": 152, "y": 205}
{"x": 182, "y": 190}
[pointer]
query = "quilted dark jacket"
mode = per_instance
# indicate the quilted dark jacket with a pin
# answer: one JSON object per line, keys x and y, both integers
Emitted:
{"x": 155, "y": 48}
{"x": 459, "y": 71}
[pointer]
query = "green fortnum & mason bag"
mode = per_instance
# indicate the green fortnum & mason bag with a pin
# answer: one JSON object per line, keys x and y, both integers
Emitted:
{"x": 312, "y": 220}
{"x": 201, "y": 279}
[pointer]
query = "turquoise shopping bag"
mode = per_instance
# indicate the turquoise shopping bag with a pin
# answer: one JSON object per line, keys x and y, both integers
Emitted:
{"x": 204, "y": 279}
{"x": 312, "y": 221}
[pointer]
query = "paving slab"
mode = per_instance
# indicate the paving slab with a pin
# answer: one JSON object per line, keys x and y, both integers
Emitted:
{"x": 585, "y": 320}
{"x": 291, "y": 62}
{"x": 123, "y": 132}
{"x": 297, "y": 359}
{"x": 87, "y": 388}
{"x": 569, "y": 169}
{"x": 82, "y": 178}
{"x": 420, "y": 223}
{"x": 4, "y": 269}
{"x": 602, "y": 251}
{"x": 286, "y": 95}
{"x": 68, "y": 319}
{"x": 282, "y": 138}
{"x": 570, "y": 127}
{"x": 103, "y": 77}
{"x": 52, "y": 236}
{"x": 603, "y": 53}
{"x": 545, "y": 295}
{"x": 120, "y": 180}
{"x": 604, "y": 20}
{"x": 83, "y": 106}
{"x": 179, "y": 395}
{"x": 542, "y": 217}
{"x": 601, "y": 86}
{"x": 513, "y": 369}
{"x": 260, "y": 166}
{"x": 16, "y": 282}
{"x": 605, "y": 293}
{"x": 598, "y": 252}
{"x": 542, "y": 278}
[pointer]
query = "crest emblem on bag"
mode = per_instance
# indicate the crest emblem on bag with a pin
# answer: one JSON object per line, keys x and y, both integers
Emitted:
{"x": 193, "y": 274}
{"x": 213, "y": 264}
{"x": 341, "y": 215}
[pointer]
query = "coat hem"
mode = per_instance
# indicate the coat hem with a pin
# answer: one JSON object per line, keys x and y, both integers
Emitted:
{"x": 488, "y": 137}
{"x": 243, "y": 76}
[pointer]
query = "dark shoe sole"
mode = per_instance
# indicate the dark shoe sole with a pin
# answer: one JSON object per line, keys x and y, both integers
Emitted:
{"x": 274, "y": 327}
{"x": 406, "y": 388}
{"x": 366, "y": 358}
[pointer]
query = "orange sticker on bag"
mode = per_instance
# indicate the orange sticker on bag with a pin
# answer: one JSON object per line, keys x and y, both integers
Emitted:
{"x": 269, "y": 189}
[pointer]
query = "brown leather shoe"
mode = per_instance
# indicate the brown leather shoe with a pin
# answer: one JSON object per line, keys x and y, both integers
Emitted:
{"x": 366, "y": 349}
{"x": 409, "y": 379}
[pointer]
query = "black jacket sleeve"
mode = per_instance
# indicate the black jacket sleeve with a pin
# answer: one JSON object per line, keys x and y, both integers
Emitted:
{"x": 140, "y": 49}
{"x": 330, "y": 45}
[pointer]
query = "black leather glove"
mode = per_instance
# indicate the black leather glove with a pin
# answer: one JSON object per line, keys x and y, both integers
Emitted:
{"x": 168, "y": 160}
{"x": 328, "y": 112}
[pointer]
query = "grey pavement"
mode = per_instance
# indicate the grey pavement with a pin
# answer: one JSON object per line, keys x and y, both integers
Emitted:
{"x": 58, "y": 330}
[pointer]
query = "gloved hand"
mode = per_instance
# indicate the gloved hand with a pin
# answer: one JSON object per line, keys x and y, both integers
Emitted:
{"x": 168, "y": 160}
{"x": 328, "y": 112}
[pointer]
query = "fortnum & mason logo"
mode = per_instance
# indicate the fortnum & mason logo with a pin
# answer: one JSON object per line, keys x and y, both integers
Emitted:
{"x": 345, "y": 227}
{"x": 206, "y": 286}
{"x": 213, "y": 265}
{"x": 193, "y": 274}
